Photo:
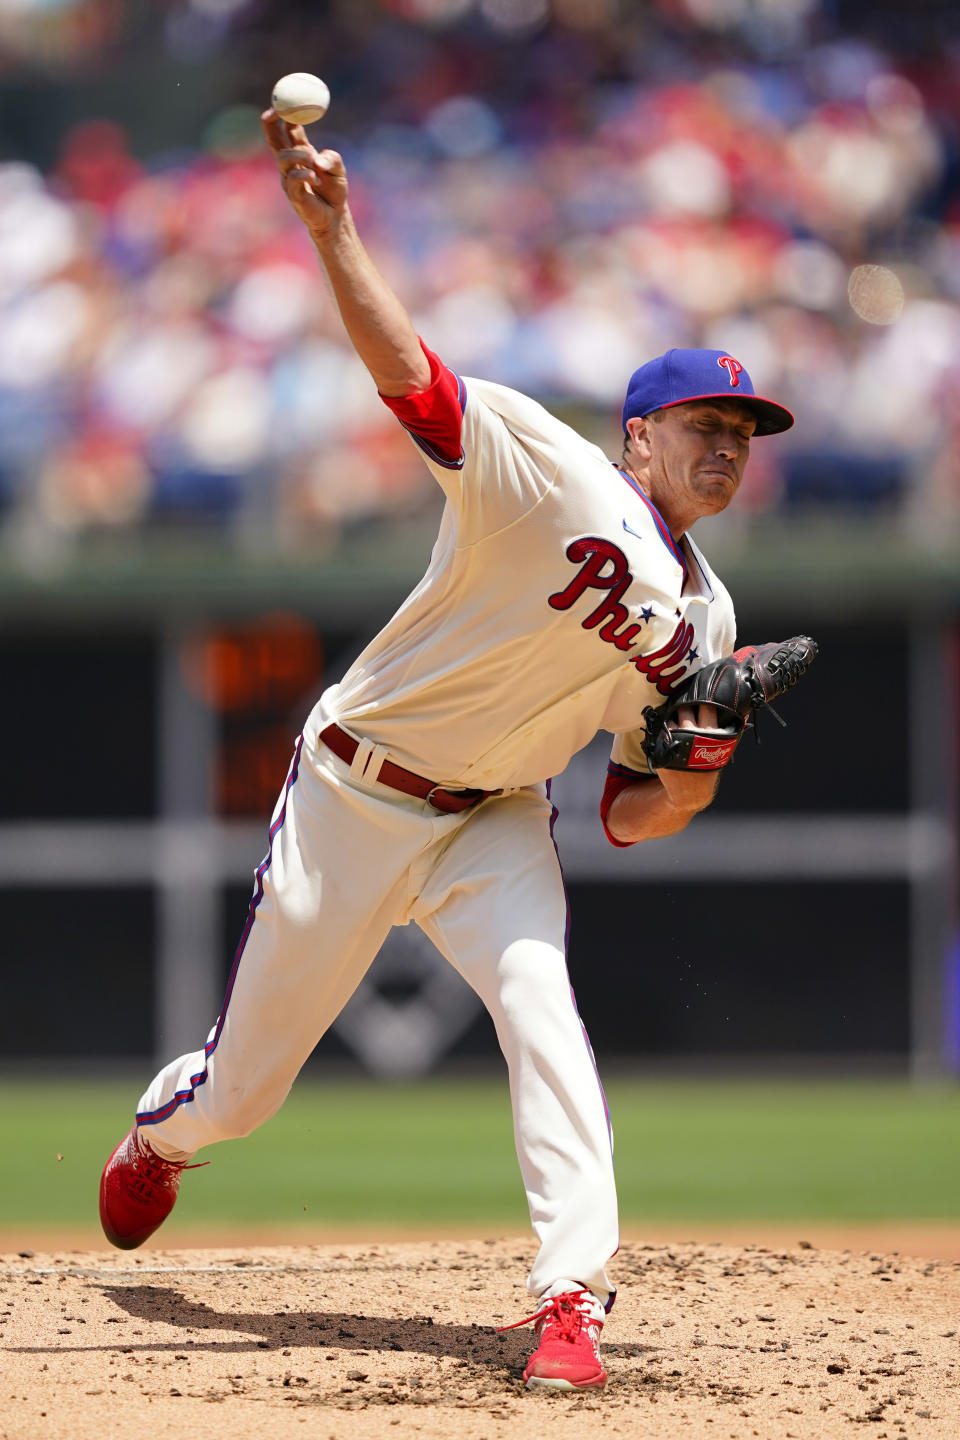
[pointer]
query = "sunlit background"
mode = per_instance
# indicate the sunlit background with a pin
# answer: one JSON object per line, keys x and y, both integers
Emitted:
{"x": 557, "y": 188}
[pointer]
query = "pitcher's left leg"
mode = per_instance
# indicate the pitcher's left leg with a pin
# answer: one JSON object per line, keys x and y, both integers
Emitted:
{"x": 495, "y": 907}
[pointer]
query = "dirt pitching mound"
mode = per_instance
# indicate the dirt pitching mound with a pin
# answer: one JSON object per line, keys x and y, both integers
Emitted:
{"x": 350, "y": 1341}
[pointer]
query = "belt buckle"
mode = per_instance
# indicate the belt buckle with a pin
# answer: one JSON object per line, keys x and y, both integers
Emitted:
{"x": 430, "y": 800}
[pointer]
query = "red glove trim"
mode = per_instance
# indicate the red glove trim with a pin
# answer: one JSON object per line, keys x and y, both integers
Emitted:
{"x": 434, "y": 416}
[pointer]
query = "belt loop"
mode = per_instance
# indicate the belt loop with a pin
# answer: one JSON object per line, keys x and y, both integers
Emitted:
{"x": 377, "y": 756}
{"x": 358, "y": 764}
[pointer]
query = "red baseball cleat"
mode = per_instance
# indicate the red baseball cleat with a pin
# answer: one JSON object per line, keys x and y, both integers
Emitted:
{"x": 567, "y": 1356}
{"x": 137, "y": 1192}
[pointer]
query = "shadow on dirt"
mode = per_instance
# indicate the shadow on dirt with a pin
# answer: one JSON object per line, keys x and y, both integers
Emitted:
{"x": 420, "y": 1335}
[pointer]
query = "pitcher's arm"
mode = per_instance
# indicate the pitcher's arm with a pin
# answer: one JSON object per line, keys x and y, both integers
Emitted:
{"x": 380, "y": 330}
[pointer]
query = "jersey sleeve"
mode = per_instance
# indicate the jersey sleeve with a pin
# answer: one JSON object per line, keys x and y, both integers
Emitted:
{"x": 627, "y": 766}
{"x": 434, "y": 417}
{"x": 493, "y": 464}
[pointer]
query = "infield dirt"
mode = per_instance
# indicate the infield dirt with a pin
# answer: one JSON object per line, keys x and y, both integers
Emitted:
{"x": 342, "y": 1341}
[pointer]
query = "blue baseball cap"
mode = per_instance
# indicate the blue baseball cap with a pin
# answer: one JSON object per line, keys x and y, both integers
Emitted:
{"x": 680, "y": 376}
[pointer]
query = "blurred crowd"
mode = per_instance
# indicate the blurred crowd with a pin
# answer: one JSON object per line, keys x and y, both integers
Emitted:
{"x": 170, "y": 356}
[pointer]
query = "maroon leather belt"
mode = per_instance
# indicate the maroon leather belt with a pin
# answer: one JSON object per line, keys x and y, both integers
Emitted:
{"x": 449, "y": 801}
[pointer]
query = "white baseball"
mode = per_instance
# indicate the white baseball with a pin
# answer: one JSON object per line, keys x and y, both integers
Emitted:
{"x": 300, "y": 98}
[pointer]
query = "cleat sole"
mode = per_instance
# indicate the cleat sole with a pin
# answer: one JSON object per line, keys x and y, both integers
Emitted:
{"x": 541, "y": 1382}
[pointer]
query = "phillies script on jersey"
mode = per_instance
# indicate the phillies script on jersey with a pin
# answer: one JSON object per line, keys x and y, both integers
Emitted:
{"x": 663, "y": 667}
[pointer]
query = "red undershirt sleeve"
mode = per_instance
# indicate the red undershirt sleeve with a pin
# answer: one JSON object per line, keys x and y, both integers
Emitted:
{"x": 434, "y": 416}
{"x": 619, "y": 777}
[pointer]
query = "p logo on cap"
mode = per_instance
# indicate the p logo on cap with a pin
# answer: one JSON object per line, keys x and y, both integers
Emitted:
{"x": 733, "y": 368}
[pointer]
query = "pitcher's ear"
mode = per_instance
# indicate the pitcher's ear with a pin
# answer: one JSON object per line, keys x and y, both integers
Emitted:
{"x": 637, "y": 436}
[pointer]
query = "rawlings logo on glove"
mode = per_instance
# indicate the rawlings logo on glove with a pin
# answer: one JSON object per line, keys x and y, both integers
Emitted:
{"x": 711, "y": 754}
{"x": 738, "y": 685}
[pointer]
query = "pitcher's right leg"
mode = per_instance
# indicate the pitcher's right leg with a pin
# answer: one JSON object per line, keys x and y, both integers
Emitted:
{"x": 332, "y": 884}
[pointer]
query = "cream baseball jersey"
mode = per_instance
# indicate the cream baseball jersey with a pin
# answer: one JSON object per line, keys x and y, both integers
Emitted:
{"x": 556, "y": 603}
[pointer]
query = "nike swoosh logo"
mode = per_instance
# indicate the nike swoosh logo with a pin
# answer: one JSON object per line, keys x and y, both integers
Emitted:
{"x": 631, "y": 531}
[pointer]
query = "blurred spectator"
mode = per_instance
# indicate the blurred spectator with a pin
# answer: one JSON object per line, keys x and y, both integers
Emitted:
{"x": 557, "y": 193}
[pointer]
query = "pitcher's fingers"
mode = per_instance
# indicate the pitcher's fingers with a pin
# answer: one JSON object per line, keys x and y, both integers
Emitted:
{"x": 302, "y": 156}
{"x": 709, "y": 719}
{"x": 282, "y": 134}
{"x": 275, "y": 130}
{"x": 332, "y": 162}
{"x": 300, "y": 176}
{"x": 298, "y": 136}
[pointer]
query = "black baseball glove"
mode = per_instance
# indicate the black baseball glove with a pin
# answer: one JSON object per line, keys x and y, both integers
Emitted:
{"x": 738, "y": 685}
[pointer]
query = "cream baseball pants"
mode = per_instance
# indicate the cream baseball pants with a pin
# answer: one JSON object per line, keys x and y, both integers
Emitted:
{"x": 347, "y": 860}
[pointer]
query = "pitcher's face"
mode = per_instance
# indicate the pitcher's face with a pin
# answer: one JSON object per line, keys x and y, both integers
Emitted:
{"x": 694, "y": 456}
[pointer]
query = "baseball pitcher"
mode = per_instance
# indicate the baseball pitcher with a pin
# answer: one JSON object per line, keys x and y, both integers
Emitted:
{"x": 564, "y": 595}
